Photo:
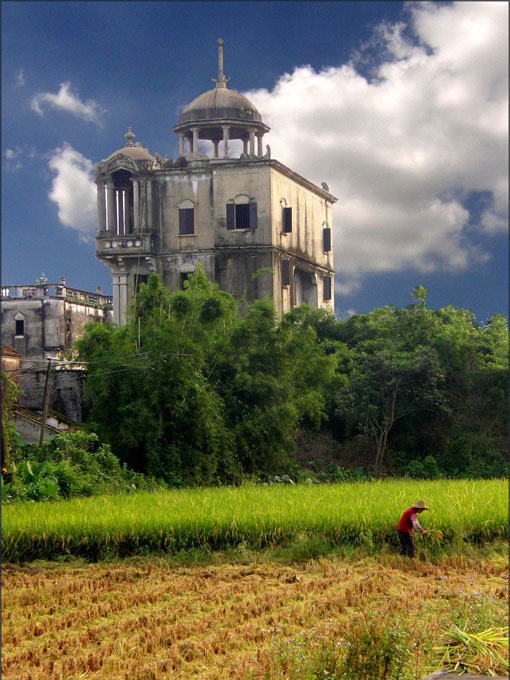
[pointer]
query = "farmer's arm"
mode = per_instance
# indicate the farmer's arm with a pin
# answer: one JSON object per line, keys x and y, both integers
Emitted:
{"x": 416, "y": 524}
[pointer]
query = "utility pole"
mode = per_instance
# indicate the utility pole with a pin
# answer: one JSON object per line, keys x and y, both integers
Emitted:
{"x": 45, "y": 402}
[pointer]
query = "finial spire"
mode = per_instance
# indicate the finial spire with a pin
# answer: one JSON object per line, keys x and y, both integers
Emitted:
{"x": 220, "y": 81}
{"x": 129, "y": 136}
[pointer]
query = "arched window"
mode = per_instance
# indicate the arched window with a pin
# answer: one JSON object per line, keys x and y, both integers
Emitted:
{"x": 19, "y": 321}
{"x": 186, "y": 218}
{"x": 241, "y": 213}
{"x": 185, "y": 271}
{"x": 286, "y": 217}
{"x": 326, "y": 237}
{"x": 123, "y": 202}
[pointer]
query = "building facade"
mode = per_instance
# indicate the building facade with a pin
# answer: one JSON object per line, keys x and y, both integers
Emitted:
{"x": 43, "y": 320}
{"x": 255, "y": 226}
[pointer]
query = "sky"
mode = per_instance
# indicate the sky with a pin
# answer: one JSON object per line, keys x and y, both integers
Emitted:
{"x": 402, "y": 108}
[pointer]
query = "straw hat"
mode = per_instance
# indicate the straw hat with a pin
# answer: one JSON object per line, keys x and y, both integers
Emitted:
{"x": 420, "y": 505}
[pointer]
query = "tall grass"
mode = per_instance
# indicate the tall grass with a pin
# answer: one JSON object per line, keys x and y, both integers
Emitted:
{"x": 364, "y": 513}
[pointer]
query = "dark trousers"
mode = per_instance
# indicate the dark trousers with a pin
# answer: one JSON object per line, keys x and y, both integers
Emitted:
{"x": 406, "y": 543}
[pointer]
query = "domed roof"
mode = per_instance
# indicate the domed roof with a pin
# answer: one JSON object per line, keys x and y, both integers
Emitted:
{"x": 135, "y": 151}
{"x": 219, "y": 103}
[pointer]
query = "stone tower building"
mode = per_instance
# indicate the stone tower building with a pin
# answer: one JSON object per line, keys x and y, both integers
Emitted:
{"x": 255, "y": 225}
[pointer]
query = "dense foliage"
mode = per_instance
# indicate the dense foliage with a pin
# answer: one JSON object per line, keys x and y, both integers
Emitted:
{"x": 191, "y": 393}
{"x": 68, "y": 465}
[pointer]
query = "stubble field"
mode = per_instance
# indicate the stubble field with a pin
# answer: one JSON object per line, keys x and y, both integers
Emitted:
{"x": 146, "y": 619}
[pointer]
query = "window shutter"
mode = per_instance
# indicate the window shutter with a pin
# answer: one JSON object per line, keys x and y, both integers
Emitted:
{"x": 287, "y": 220}
{"x": 230, "y": 215}
{"x": 285, "y": 273}
{"x": 190, "y": 221}
{"x": 326, "y": 233}
{"x": 186, "y": 221}
{"x": 253, "y": 215}
{"x": 327, "y": 287}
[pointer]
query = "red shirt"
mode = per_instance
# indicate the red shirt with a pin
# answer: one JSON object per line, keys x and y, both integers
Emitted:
{"x": 407, "y": 520}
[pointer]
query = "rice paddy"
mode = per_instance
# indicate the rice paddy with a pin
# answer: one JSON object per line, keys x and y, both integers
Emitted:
{"x": 151, "y": 619}
{"x": 254, "y": 517}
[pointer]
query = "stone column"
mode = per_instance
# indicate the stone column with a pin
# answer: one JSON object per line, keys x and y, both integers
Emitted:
{"x": 259, "y": 144}
{"x": 143, "y": 205}
{"x": 136, "y": 205}
{"x": 226, "y": 130}
{"x": 112, "y": 208}
{"x": 195, "y": 140}
{"x": 245, "y": 147}
{"x": 216, "y": 145}
{"x": 252, "y": 141}
{"x": 120, "y": 298}
{"x": 120, "y": 215}
{"x": 149, "y": 205}
{"x": 101, "y": 208}
{"x": 181, "y": 144}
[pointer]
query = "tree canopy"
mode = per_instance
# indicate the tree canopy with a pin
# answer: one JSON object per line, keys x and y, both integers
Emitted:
{"x": 192, "y": 392}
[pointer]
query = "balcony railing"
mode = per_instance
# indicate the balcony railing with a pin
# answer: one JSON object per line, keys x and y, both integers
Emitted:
{"x": 55, "y": 290}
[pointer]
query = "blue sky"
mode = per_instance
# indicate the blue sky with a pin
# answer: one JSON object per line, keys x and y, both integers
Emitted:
{"x": 400, "y": 107}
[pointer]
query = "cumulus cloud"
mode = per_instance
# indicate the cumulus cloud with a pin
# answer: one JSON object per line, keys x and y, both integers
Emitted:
{"x": 65, "y": 100}
{"x": 74, "y": 191}
{"x": 405, "y": 135}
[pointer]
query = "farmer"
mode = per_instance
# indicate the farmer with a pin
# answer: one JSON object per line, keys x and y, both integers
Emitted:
{"x": 407, "y": 523}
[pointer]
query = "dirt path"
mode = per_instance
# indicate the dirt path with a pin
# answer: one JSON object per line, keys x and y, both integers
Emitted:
{"x": 142, "y": 620}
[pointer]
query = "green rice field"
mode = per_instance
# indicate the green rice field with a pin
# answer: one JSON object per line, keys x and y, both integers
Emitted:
{"x": 254, "y": 516}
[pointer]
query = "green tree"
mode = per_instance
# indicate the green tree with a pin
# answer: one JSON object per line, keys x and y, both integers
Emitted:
{"x": 151, "y": 400}
{"x": 386, "y": 386}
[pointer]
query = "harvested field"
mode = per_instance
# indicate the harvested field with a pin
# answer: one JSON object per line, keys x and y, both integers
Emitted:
{"x": 148, "y": 619}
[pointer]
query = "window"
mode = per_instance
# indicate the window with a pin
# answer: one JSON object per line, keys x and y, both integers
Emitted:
{"x": 186, "y": 221}
{"x": 20, "y": 327}
{"x": 184, "y": 277}
{"x": 326, "y": 239}
{"x": 287, "y": 220}
{"x": 285, "y": 272}
{"x": 139, "y": 279}
{"x": 327, "y": 287}
{"x": 242, "y": 215}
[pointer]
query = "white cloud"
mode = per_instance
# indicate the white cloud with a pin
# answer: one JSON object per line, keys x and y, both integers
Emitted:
{"x": 405, "y": 149}
{"x": 74, "y": 191}
{"x": 15, "y": 158}
{"x": 65, "y": 100}
{"x": 20, "y": 77}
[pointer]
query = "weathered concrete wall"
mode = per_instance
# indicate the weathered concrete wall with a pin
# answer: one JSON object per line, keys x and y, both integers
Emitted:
{"x": 228, "y": 256}
{"x": 51, "y": 325}
{"x": 29, "y": 429}
{"x": 66, "y": 392}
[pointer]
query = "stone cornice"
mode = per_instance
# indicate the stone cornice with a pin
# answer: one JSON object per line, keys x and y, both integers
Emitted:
{"x": 291, "y": 174}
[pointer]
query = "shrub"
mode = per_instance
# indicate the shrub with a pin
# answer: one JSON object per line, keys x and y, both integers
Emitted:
{"x": 71, "y": 464}
{"x": 376, "y": 649}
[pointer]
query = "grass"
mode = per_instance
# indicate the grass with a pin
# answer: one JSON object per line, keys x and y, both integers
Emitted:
{"x": 313, "y": 520}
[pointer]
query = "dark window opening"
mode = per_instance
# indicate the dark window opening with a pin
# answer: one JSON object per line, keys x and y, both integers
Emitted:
{"x": 186, "y": 221}
{"x": 327, "y": 287}
{"x": 139, "y": 279}
{"x": 326, "y": 234}
{"x": 241, "y": 215}
{"x": 287, "y": 220}
{"x": 185, "y": 277}
{"x": 20, "y": 327}
{"x": 285, "y": 273}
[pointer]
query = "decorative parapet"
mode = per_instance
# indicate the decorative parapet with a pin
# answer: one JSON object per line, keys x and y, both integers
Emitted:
{"x": 125, "y": 245}
{"x": 55, "y": 290}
